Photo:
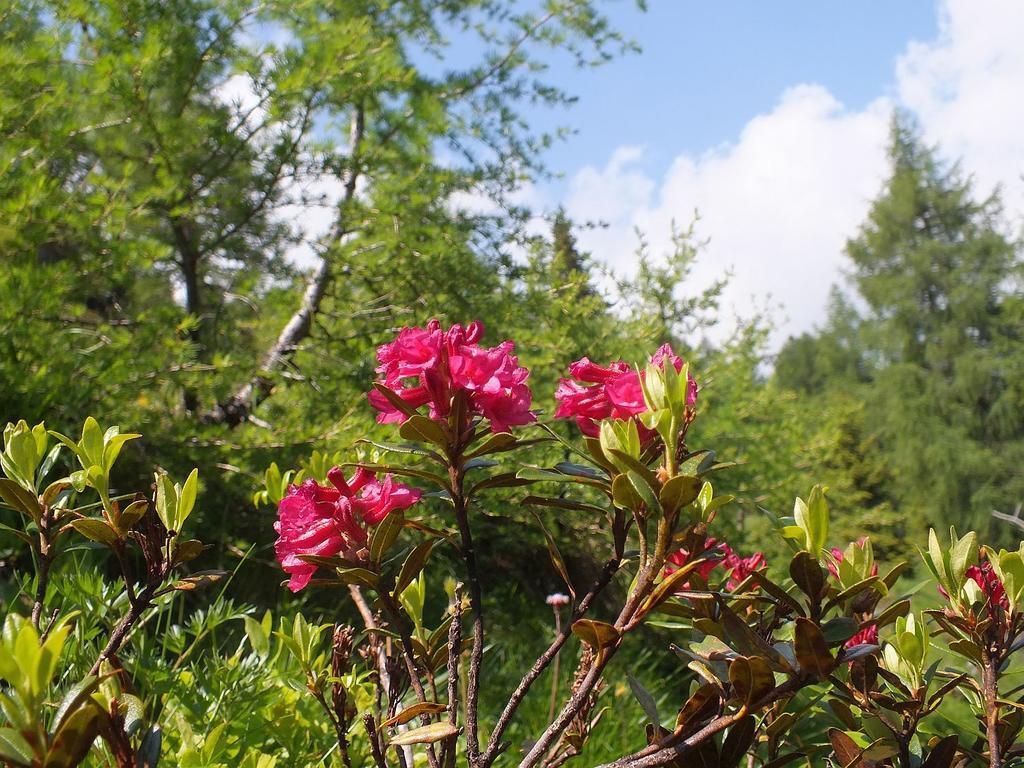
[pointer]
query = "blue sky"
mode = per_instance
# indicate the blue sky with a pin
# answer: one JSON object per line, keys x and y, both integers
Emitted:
{"x": 707, "y": 67}
{"x": 770, "y": 120}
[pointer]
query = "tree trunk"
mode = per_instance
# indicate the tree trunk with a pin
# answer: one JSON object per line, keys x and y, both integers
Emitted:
{"x": 240, "y": 405}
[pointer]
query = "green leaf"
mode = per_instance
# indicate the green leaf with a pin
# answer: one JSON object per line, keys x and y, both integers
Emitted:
{"x": 166, "y": 501}
{"x": 14, "y": 749}
{"x": 20, "y": 500}
{"x": 678, "y": 492}
{"x": 187, "y": 500}
{"x": 413, "y": 711}
{"x": 494, "y": 443}
{"x": 811, "y": 649}
{"x": 133, "y": 711}
{"x": 360, "y": 577}
{"x": 396, "y": 401}
{"x": 423, "y": 429}
{"x": 963, "y": 554}
{"x": 737, "y": 743}
{"x": 113, "y": 449}
{"x": 425, "y": 734}
{"x": 74, "y": 699}
{"x": 74, "y": 739}
{"x": 839, "y": 630}
{"x": 699, "y": 706}
{"x": 645, "y": 699}
{"x": 413, "y": 565}
{"x": 808, "y": 575}
{"x": 547, "y": 501}
{"x": 384, "y": 535}
{"x": 95, "y": 530}
{"x": 644, "y": 491}
{"x": 422, "y": 474}
{"x": 812, "y": 517}
{"x": 624, "y": 494}
{"x": 597, "y": 634}
{"x": 131, "y": 515}
{"x": 751, "y": 679}
{"x": 537, "y": 474}
{"x": 556, "y": 557}
{"x": 502, "y": 480}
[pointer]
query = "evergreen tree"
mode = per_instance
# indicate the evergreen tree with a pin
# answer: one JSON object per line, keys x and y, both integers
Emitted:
{"x": 937, "y": 356}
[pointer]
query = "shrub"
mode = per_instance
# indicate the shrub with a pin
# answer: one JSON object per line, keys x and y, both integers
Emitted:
{"x": 818, "y": 660}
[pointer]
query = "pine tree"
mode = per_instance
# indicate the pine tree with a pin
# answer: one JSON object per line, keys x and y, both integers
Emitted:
{"x": 936, "y": 354}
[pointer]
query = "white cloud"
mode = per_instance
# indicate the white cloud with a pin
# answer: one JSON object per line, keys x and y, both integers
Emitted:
{"x": 966, "y": 87}
{"x": 779, "y": 203}
{"x": 776, "y": 204}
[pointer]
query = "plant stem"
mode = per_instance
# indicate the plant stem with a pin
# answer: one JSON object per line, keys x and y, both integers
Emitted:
{"x": 415, "y": 674}
{"x": 609, "y": 570}
{"x": 456, "y": 476}
{"x": 454, "y": 654}
{"x": 117, "y": 637}
{"x": 45, "y": 560}
{"x": 554, "y": 669}
{"x": 371, "y": 735}
{"x": 990, "y": 691}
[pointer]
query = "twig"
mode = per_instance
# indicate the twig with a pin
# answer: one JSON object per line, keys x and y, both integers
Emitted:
{"x": 45, "y": 560}
{"x": 609, "y": 570}
{"x": 371, "y": 733}
{"x": 454, "y": 654}
{"x": 476, "y": 601}
{"x": 117, "y": 637}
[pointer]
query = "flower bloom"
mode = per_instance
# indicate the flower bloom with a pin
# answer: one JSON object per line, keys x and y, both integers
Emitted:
{"x": 985, "y": 577}
{"x": 866, "y": 636}
{"x": 429, "y": 366}
{"x": 741, "y": 567}
{"x": 314, "y": 519}
{"x": 595, "y": 392}
{"x": 557, "y": 600}
{"x": 837, "y": 555}
{"x": 737, "y": 567}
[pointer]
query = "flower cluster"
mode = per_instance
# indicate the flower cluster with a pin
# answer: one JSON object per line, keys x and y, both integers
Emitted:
{"x": 614, "y": 391}
{"x": 985, "y": 577}
{"x": 430, "y": 366}
{"x": 837, "y": 558}
{"x": 718, "y": 553}
{"x": 313, "y": 519}
{"x": 866, "y": 636}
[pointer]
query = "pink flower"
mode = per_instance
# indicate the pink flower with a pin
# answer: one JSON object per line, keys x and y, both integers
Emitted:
{"x": 681, "y": 557}
{"x": 741, "y": 567}
{"x": 837, "y": 555}
{"x": 314, "y": 519}
{"x": 557, "y": 600}
{"x": 595, "y": 392}
{"x": 429, "y": 366}
{"x": 866, "y": 636}
{"x": 719, "y": 553}
{"x": 985, "y": 577}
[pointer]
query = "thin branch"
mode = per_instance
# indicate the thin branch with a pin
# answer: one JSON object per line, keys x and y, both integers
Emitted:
{"x": 609, "y": 570}
{"x": 238, "y": 407}
{"x": 669, "y": 750}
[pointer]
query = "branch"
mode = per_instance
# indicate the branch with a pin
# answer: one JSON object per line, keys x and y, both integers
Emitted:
{"x": 238, "y": 407}
{"x": 117, "y": 637}
{"x": 624, "y": 623}
{"x": 672, "y": 748}
{"x": 476, "y": 600}
{"x": 543, "y": 661}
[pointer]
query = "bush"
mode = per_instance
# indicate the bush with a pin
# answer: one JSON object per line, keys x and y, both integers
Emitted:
{"x": 817, "y": 658}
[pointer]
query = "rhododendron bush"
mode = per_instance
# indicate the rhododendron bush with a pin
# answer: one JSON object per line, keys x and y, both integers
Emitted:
{"x": 820, "y": 659}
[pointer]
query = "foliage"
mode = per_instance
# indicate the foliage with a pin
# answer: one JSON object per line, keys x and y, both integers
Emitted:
{"x": 934, "y": 354}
